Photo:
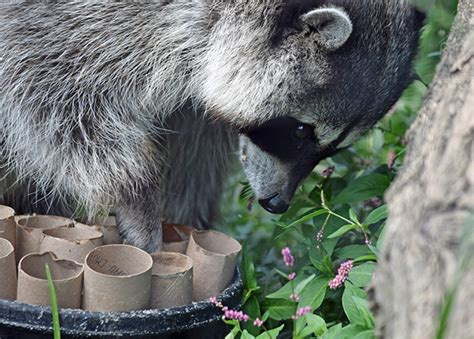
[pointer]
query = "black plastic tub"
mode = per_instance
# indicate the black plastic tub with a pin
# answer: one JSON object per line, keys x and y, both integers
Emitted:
{"x": 197, "y": 320}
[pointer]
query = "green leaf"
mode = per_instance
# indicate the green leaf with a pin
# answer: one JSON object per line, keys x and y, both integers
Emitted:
{"x": 334, "y": 332}
{"x": 232, "y": 322}
{"x": 273, "y": 333}
{"x": 232, "y": 334}
{"x": 374, "y": 250}
{"x": 318, "y": 260}
{"x": 285, "y": 291}
{"x": 306, "y": 218}
{"x": 353, "y": 216}
{"x": 246, "y": 335}
{"x": 314, "y": 325}
{"x": 361, "y": 276}
{"x": 369, "y": 334}
{"x": 313, "y": 294}
{"x": 303, "y": 284}
{"x": 350, "y": 307}
{"x": 279, "y": 309}
{"x": 369, "y": 257}
{"x": 352, "y": 251}
{"x": 363, "y": 188}
{"x": 381, "y": 238}
{"x": 351, "y": 331}
{"x": 329, "y": 245}
{"x": 363, "y": 307}
{"x": 252, "y": 308}
{"x": 299, "y": 206}
{"x": 377, "y": 215}
{"x": 299, "y": 325}
{"x": 248, "y": 270}
{"x": 343, "y": 230}
{"x": 281, "y": 273}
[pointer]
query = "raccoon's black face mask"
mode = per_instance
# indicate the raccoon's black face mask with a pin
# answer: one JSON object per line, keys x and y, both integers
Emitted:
{"x": 278, "y": 155}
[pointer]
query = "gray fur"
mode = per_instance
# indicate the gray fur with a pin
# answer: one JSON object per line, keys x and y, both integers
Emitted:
{"x": 134, "y": 106}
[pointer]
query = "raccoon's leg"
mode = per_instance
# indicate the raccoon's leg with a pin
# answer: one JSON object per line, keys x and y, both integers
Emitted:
{"x": 198, "y": 160}
{"x": 138, "y": 219}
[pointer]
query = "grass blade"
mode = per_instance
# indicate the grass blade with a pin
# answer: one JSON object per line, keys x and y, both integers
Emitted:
{"x": 54, "y": 304}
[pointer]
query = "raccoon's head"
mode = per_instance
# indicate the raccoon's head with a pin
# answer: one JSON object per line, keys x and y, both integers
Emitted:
{"x": 302, "y": 79}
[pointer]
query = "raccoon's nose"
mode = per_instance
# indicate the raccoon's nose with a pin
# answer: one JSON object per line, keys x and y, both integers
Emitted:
{"x": 274, "y": 204}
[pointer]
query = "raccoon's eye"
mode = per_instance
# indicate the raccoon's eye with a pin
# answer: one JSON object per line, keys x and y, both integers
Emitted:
{"x": 303, "y": 132}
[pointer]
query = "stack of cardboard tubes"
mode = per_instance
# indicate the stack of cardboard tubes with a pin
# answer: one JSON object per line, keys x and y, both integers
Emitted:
{"x": 92, "y": 269}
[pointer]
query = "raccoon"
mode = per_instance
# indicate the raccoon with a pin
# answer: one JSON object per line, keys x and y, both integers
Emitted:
{"x": 138, "y": 106}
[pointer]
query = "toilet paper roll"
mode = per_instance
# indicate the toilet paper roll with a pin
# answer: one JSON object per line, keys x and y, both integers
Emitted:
{"x": 176, "y": 237}
{"x": 108, "y": 226}
{"x": 214, "y": 256}
{"x": 71, "y": 242}
{"x": 172, "y": 280}
{"x": 7, "y": 224}
{"x": 8, "y": 279}
{"x": 117, "y": 278}
{"x": 33, "y": 284}
{"x": 29, "y": 231}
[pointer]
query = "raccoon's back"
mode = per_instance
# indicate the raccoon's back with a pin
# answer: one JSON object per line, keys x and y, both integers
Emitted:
{"x": 82, "y": 84}
{"x": 60, "y": 55}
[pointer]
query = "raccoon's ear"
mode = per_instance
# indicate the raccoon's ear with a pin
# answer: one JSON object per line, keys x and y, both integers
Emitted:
{"x": 332, "y": 26}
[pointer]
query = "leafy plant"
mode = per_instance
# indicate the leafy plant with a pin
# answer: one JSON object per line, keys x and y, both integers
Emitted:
{"x": 335, "y": 226}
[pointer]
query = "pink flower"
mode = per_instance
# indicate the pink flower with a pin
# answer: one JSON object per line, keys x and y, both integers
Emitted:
{"x": 373, "y": 203}
{"x": 301, "y": 312}
{"x": 391, "y": 157}
{"x": 336, "y": 282}
{"x": 236, "y": 315}
{"x": 258, "y": 322}
{"x": 291, "y": 276}
{"x": 287, "y": 257}
{"x": 342, "y": 274}
{"x": 319, "y": 236}
{"x": 367, "y": 240}
{"x": 294, "y": 297}
{"x": 229, "y": 314}
{"x": 328, "y": 172}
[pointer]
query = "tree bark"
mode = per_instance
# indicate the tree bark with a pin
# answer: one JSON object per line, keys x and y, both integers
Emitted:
{"x": 427, "y": 259}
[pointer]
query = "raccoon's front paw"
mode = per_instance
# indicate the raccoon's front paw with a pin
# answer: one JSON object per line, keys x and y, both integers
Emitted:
{"x": 140, "y": 233}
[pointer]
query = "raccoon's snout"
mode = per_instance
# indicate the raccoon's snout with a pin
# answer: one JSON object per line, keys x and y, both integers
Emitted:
{"x": 274, "y": 204}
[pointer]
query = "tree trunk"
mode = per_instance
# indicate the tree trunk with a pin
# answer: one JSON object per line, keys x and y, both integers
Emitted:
{"x": 424, "y": 287}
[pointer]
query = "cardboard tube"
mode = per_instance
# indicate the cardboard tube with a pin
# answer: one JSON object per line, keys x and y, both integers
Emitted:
{"x": 214, "y": 256}
{"x": 71, "y": 242}
{"x": 172, "y": 280}
{"x": 176, "y": 237}
{"x": 117, "y": 278}
{"x": 7, "y": 224}
{"x": 33, "y": 285}
{"x": 29, "y": 231}
{"x": 108, "y": 226}
{"x": 7, "y": 270}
